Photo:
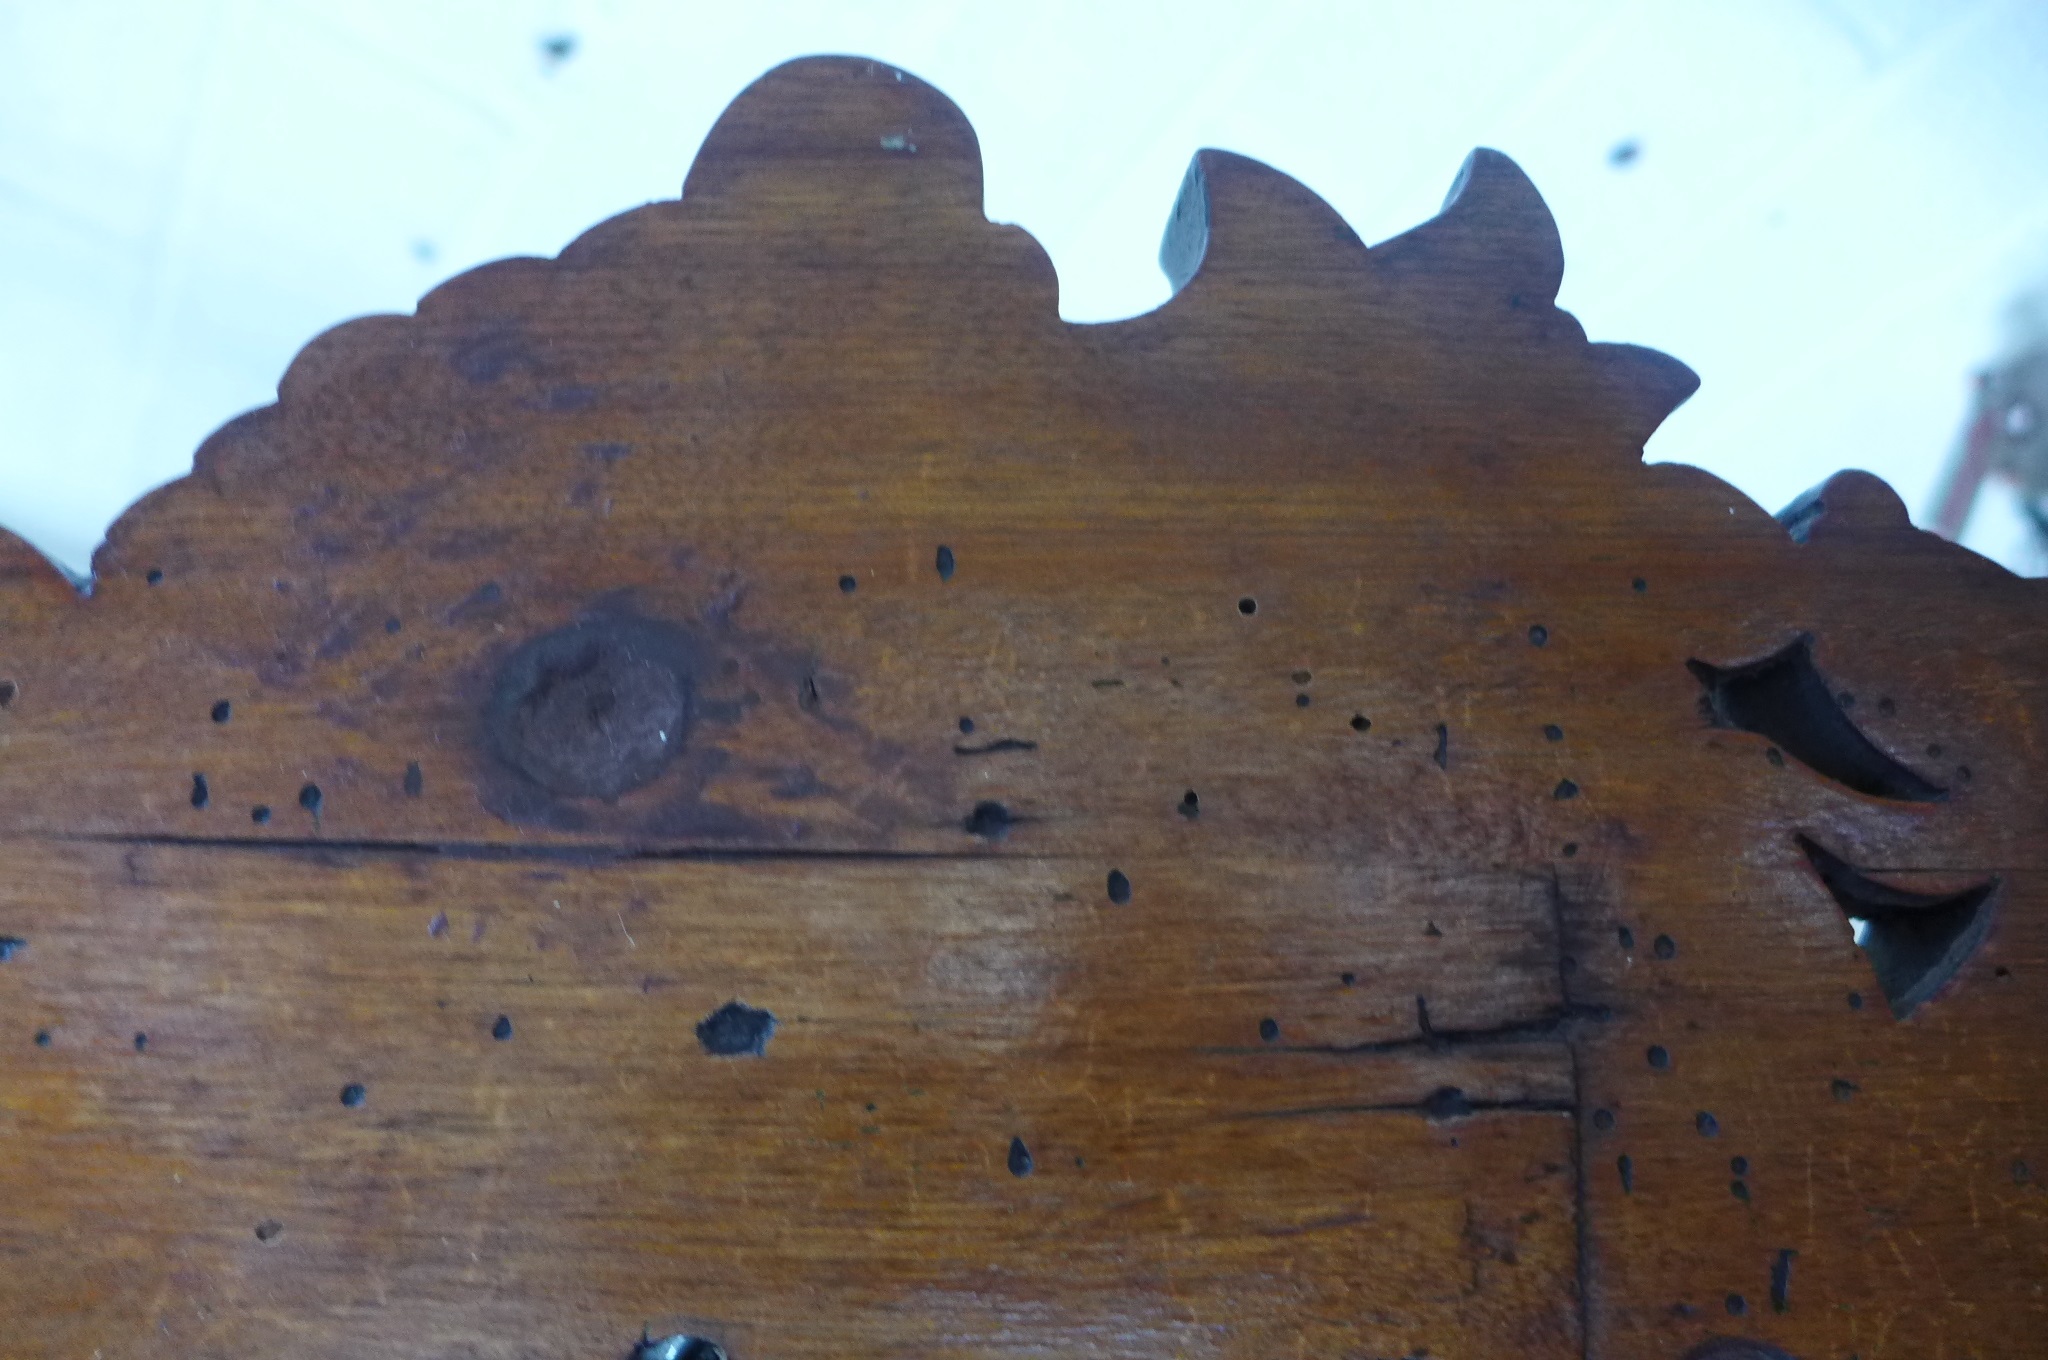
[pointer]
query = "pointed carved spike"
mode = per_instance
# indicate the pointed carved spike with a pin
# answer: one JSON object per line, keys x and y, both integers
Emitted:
{"x": 1238, "y": 214}
{"x": 1494, "y": 233}
{"x": 799, "y": 126}
{"x": 1643, "y": 386}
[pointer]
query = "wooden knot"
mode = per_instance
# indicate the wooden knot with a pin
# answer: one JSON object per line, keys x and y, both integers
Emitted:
{"x": 591, "y": 711}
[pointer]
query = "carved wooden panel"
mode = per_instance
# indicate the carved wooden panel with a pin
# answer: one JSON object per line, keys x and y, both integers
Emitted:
{"x": 751, "y": 790}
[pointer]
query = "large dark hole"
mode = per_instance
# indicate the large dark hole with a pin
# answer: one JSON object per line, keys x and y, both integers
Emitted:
{"x": 736, "y": 1030}
{"x": 1915, "y": 941}
{"x": 1783, "y": 697}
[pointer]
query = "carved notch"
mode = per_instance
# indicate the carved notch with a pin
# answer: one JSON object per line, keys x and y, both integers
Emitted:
{"x": 1784, "y": 698}
{"x": 1916, "y": 942}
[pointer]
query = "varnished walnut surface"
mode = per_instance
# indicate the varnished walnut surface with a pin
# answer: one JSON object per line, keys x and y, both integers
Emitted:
{"x": 1216, "y": 807}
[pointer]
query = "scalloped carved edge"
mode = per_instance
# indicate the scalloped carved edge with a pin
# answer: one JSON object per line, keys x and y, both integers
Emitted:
{"x": 1494, "y": 245}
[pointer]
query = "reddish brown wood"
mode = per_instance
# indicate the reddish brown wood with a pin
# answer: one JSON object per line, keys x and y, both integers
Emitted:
{"x": 1340, "y": 833}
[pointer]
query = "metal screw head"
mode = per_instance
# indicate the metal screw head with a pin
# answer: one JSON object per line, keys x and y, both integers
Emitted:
{"x": 677, "y": 1347}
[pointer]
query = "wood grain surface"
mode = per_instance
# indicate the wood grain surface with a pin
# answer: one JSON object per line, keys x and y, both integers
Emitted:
{"x": 750, "y": 783}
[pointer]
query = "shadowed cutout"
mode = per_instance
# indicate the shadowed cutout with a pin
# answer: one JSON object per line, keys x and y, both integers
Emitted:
{"x": 1915, "y": 941}
{"x": 1735, "y": 1348}
{"x": 1784, "y": 698}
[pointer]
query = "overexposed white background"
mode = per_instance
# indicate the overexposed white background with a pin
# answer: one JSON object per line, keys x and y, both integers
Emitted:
{"x": 1823, "y": 206}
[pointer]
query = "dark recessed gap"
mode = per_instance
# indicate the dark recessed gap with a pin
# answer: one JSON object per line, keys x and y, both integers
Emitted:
{"x": 1552, "y": 732}
{"x": 1915, "y": 942}
{"x": 1538, "y": 635}
{"x": 1706, "y": 1124}
{"x": 259, "y": 814}
{"x": 501, "y": 1028}
{"x": 847, "y": 585}
{"x": 415, "y": 781}
{"x": 1737, "y": 1305}
{"x": 1360, "y": 723}
{"x": 1625, "y": 1165}
{"x": 8, "y": 689}
{"x": 309, "y": 798}
{"x": 1784, "y": 698}
{"x": 1664, "y": 947}
{"x": 1565, "y": 789}
{"x": 1659, "y": 1056}
{"x": 990, "y": 821}
{"x": 42, "y": 1038}
{"x": 1739, "y": 1189}
{"x": 223, "y": 710}
{"x": 1781, "y": 1280}
{"x": 966, "y": 725}
{"x": 1639, "y": 585}
{"x": 1447, "y": 1102}
{"x": 996, "y": 747}
{"x": 1842, "y": 1089}
{"x": 736, "y": 1030}
{"x": 807, "y": 694}
{"x": 200, "y": 795}
{"x": 1119, "y": 887}
{"x": 1603, "y": 1120}
{"x": 1301, "y": 677}
{"x": 268, "y": 1229}
{"x": 944, "y": 562}
{"x": 1247, "y": 606}
{"x": 354, "y": 1094}
{"x": 1626, "y": 936}
{"x": 1442, "y": 755}
{"x": 1302, "y": 701}
{"x": 1190, "y": 805}
{"x": 154, "y": 576}
{"x": 1739, "y": 1165}
{"x": 1020, "y": 1158}
{"x": 10, "y": 945}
